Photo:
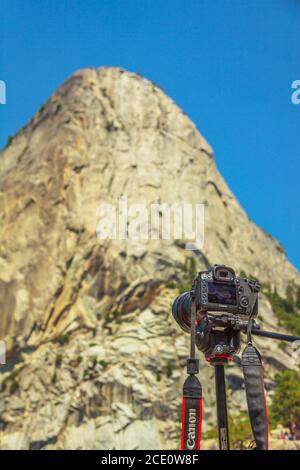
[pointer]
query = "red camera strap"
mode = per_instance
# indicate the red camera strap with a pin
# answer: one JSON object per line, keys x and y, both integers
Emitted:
{"x": 191, "y": 414}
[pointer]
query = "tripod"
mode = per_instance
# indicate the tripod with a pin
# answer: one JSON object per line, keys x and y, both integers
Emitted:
{"x": 219, "y": 339}
{"x": 221, "y": 403}
{"x": 219, "y": 363}
{"x": 223, "y": 345}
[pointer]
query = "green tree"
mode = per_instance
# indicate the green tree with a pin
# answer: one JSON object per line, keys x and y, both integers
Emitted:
{"x": 240, "y": 432}
{"x": 285, "y": 406}
{"x": 286, "y": 309}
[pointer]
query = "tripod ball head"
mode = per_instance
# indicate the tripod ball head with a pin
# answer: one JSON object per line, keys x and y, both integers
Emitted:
{"x": 216, "y": 343}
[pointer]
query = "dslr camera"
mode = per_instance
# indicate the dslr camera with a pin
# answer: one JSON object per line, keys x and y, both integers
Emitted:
{"x": 218, "y": 292}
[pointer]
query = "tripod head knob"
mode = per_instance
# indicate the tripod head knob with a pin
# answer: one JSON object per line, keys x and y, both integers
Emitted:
{"x": 222, "y": 343}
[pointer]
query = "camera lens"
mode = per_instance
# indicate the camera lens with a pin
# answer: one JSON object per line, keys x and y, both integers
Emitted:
{"x": 181, "y": 310}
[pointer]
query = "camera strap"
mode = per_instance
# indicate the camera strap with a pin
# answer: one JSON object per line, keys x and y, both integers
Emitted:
{"x": 255, "y": 393}
{"x": 192, "y": 396}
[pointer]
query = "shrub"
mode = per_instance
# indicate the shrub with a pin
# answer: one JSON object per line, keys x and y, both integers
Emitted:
{"x": 9, "y": 141}
{"x": 103, "y": 364}
{"x": 190, "y": 272}
{"x": 285, "y": 406}
{"x": 169, "y": 370}
{"x": 58, "y": 360}
{"x": 14, "y": 387}
{"x": 114, "y": 315}
{"x": 286, "y": 308}
{"x": 63, "y": 339}
{"x": 240, "y": 432}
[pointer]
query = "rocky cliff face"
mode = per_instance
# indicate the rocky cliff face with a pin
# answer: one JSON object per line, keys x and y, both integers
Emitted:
{"x": 95, "y": 360}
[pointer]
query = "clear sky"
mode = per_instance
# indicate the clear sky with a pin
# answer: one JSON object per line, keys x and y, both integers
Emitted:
{"x": 228, "y": 63}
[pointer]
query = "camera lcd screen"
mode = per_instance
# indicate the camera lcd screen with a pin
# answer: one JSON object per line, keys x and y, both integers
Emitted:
{"x": 224, "y": 294}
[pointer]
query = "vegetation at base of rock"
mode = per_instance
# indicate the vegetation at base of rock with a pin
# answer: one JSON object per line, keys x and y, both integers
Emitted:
{"x": 11, "y": 377}
{"x": 243, "y": 274}
{"x": 58, "y": 360}
{"x": 171, "y": 284}
{"x": 190, "y": 272}
{"x": 14, "y": 387}
{"x": 114, "y": 315}
{"x": 88, "y": 374}
{"x": 110, "y": 126}
{"x": 103, "y": 364}
{"x": 40, "y": 111}
{"x": 63, "y": 339}
{"x": 169, "y": 370}
{"x": 285, "y": 407}
{"x": 286, "y": 308}
{"x": 240, "y": 432}
{"x": 9, "y": 141}
{"x": 283, "y": 346}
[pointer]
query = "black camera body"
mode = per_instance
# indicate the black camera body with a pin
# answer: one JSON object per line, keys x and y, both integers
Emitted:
{"x": 219, "y": 293}
{"x": 219, "y": 290}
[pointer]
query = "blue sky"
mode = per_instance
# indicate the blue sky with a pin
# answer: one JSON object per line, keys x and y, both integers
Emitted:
{"x": 228, "y": 63}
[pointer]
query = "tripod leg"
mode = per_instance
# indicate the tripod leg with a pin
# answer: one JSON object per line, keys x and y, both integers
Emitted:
{"x": 221, "y": 407}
